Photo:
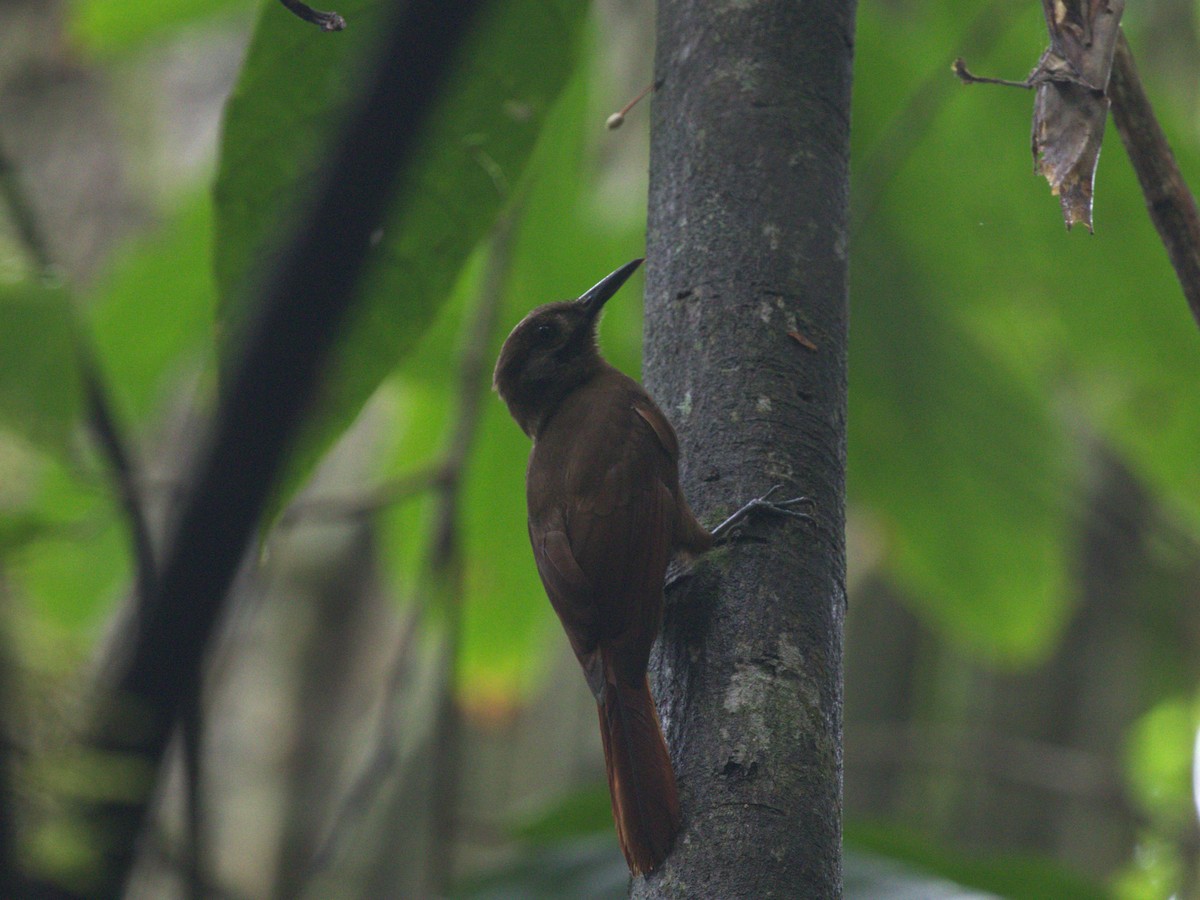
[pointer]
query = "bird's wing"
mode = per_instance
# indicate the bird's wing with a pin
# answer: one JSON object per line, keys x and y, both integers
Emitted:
{"x": 571, "y": 593}
{"x": 620, "y": 528}
{"x": 653, "y": 417}
{"x": 690, "y": 535}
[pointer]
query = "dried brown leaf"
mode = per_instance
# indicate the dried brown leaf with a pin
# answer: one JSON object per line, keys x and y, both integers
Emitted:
{"x": 1068, "y": 128}
{"x": 1071, "y": 108}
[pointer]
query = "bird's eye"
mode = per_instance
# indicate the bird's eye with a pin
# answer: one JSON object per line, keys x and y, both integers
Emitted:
{"x": 547, "y": 331}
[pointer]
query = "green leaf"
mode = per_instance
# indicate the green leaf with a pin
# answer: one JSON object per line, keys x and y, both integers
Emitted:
{"x": 152, "y": 317}
{"x": 956, "y": 456}
{"x": 39, "y": 377}
{"x": 294, "y": 89}
{"x": 63, "y": 548}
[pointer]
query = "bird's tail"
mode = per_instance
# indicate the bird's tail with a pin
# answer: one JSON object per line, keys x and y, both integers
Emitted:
{"x": 645, "y": 800}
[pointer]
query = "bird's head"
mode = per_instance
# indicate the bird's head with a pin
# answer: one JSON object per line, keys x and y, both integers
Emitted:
{"x": 552, "y": 351}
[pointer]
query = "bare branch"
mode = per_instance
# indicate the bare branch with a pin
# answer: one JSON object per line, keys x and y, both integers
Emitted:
{"x": 103, "y": 425}
{"x": 364, "y": 788}
{"x": 1169, "y": 201}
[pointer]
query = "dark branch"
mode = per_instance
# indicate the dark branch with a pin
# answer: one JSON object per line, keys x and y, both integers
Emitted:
{"x": 191, "y": 742}
{"x": 303, "y": 301}
{"x": 1170, "y": 203}
{"x": 326, "y": 21}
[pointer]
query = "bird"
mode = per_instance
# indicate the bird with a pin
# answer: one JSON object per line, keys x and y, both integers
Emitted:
{"x": 606, "y": 516}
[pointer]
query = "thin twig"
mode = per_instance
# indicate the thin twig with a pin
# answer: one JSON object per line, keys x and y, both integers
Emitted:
{"x": 1170, "y": 203}
{"x": 965, "y": 76}
{"x": 326, "y": 21}
{"x": 21, "y": 213}
{"x": 1050, "y": 68}
{"x": 191, "y": 741}
{"x": 10, "y": 878}
{"x": 101, "y": 418}
{"x": 103, "y": 425}
{"x": 473, "y": 364}
{"x": 617, "y": 119}
{"x": 446, "y": 565}
{"x": 445, "y": 476}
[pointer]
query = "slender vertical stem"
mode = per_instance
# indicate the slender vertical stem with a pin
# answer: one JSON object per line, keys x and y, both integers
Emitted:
{"x": 1169, "y": 201}
{"x": 108, "y": 435}
{"x": 446, "y": 565}
{"x": 22, "y": 215}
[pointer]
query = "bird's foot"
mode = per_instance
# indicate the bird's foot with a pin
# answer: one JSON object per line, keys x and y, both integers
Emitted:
{"x": 763, "y": 504}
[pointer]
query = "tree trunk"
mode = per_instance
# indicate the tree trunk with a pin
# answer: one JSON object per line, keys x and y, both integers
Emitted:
{"x": 747, "y": 252}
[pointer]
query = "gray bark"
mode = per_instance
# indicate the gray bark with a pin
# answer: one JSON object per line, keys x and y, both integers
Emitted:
{"x": 747, "y": 244}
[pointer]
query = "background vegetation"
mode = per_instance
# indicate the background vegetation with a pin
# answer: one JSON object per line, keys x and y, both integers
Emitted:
{"x": 1021, "y": 684}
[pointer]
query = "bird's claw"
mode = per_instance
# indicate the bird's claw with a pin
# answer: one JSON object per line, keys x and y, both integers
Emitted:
{"x": 764, "y": 504}
{"x": 781, "y": 507}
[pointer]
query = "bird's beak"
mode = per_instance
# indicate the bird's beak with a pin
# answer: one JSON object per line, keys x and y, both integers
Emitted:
{"x": 596, "y": 297}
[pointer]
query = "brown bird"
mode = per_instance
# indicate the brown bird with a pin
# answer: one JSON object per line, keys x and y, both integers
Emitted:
{"x": 605, "y": 517}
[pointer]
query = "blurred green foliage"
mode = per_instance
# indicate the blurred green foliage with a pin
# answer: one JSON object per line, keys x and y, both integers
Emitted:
{"x": 1160, "y": 752}
{"x": 1020, "y": 341}
{"x": 1160, "y": 758}
{"x": 989, "y": 348}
